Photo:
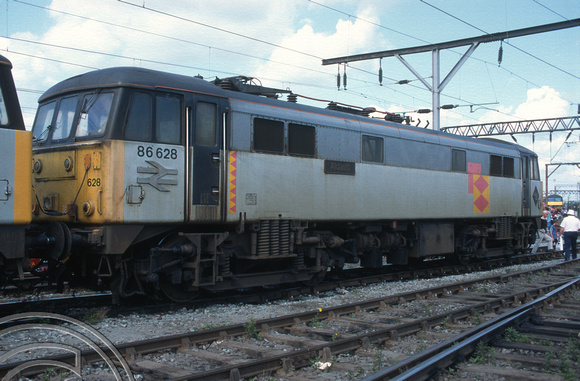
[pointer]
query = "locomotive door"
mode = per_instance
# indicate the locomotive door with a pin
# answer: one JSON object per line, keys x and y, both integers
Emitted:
{"x": 205, "y": 142}
{"x": 526, "y": 186}
{"x": 531, "y": 186}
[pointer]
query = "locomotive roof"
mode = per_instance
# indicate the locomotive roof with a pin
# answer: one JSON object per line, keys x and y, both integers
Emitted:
{"x": 152, "y": 79}
{"x": 5, "y": 61}
{"x": 131, "y": 77}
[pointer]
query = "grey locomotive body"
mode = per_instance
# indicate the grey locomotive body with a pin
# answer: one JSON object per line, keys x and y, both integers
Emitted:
{"x": 246, "y": 190}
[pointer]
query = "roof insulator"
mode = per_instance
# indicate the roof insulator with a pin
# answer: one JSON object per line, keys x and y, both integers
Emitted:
{"x": 293, "y": 98}
{"x": 226, "y": 85}
{"x": 367, "y": 111}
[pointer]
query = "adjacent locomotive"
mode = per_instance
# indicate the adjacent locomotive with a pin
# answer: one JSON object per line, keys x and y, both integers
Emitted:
{"x": 156, "y": 181}
{"x": 555, "y": 201}
{"x": 15, "y": 178}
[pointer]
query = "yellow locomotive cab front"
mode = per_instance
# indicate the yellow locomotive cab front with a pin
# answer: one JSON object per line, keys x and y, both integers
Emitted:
{"x": 82, "y": 185}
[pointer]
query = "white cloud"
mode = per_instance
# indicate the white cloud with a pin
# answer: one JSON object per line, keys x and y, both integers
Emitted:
{"x": 283, "y": 23}
{"x": 349, "y": 36}
{"x": 542, "y": 103}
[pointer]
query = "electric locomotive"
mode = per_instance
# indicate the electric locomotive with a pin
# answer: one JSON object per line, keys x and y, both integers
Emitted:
{"x": 555, "y": 201}
{"x": 168, "y": 184}
{"x": 15, "y": 177}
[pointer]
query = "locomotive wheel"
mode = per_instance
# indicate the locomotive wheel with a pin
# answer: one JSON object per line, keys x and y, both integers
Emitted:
{"x": 316, "y": 278}
{"x": 61, "y": 238}
{"x": 178, "y": 293}
{"x": 324, "y": 263}
{"x": 463, "y": 259}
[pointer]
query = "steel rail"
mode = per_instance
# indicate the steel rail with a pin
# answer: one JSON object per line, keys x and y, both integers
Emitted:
{"x": 65, "y": 303}
{"x": 301, "y": 358}
{"x": 425, "y": 364}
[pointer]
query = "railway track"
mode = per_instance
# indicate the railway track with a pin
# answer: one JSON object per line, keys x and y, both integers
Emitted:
{"x": 535, "y": 341}
{"x": 350, "y": 340}
{"x": 64, "y": 303}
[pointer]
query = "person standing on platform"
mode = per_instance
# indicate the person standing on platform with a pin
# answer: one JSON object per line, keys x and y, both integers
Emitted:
{"x": 569, "y": 228}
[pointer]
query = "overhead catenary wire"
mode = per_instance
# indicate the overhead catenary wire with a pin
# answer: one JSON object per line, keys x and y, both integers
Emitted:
{"x": 354, "y": 79}
{"x": 164, "y": 36}
{"x": 452, "y": 50}
{"x": 551, "y": 10}
{"x": 51, "y": 9}
{"x": 148, "y": 32}
{"x": 220, "y": 29}
{"x": 508, "y": 43}
{"x": 344, "y": 78}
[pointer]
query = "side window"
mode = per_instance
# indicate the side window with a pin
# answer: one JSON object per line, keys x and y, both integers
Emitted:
{"x": 138, "y": 125}
{"x": 372, "y": 149}
{"x": 458, "y": 161}
{"x": 268, "y": 135}
{"x": 535, "y": 170}
{"x": 301, "y": 140}
{"x": 94, "y": 114}
{"x": 495, "y": 165}
{"x": 508, "y": 167}
{"x": 43, "y": 120}
{"x": 167, "y": 119}
{"x": 3, "y": 114}
{"x": 205, "y": 124}
{"x": 501, "y": 166}
{"x": 64, "y": 118}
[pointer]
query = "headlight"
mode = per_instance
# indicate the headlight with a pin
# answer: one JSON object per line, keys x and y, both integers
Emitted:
{"x": 88, "y": 208}
{"x": 68, "y": 164}
{"x": 37, "y": 168}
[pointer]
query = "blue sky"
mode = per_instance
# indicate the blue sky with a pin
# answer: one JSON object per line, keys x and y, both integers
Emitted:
{"x": 282, "y": 43}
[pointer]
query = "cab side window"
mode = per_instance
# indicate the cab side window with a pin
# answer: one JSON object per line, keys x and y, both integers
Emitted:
{"x": 138, "y": 125}
{"x": 3, "y": 114}
{"x": 94, "y": 114}
{"x": 167, "y": 119}
{"x": 205, "y": 124}
{"x": 535, "y": 169}
{"x": 154, "y": 118}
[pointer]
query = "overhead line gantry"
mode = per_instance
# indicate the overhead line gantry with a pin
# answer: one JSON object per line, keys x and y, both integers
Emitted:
{"x": 570, "y": 123}
{"x": 437, "y": 85}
